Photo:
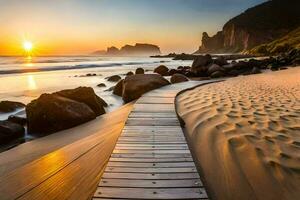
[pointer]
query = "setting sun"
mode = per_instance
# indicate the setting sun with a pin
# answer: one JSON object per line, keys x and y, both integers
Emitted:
{"x": 27, "y": 46}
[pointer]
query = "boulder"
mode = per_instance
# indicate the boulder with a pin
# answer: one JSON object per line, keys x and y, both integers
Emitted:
{"x": 118, "y": 89}
{"x": 129, "y": 73}
{"x": 241, "y": 65}
{"x": 228, "y": 67}
{"x": 10, "y": 131}
{"x": 255, "y": 70}
{"x": 114, "y": 78}
{"x": 91, "y": 74}
{"x": 200, "y": 65}
{"x": 217, "y": 74}
{"x": 137, "y": 85}
{"x": 214, "y": 68}
{"x": 178, "y": 78}
{"x": 174, "y": 71}
{"x": 87, "y": 96}
{"x": 51, "y": 113}
{"x": 101, "y": 85}
{"x": 162, "y": 70}
{"x": 221, "y": 61}
{"x": 18, "y": 120}
{"x": 10, "y": 106}
{"x": 139, "y": 71}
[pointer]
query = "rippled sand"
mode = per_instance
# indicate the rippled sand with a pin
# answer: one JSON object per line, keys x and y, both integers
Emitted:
{"x": 245, "y": 135}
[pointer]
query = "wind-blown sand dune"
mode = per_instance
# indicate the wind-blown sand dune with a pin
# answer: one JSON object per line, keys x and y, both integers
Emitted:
{"x": 245, "y": 135}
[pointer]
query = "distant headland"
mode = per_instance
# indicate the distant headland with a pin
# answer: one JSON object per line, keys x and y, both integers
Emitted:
{"x": 138, "y": 49}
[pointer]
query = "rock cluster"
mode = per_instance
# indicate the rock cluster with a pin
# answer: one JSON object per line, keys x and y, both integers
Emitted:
{"x": 64, "y": 109}
{"x": 10, "y": 106}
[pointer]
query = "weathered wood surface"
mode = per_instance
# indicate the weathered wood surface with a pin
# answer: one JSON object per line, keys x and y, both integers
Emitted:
{"x": 71, "y": 172}
{"x": 151, "y": 159}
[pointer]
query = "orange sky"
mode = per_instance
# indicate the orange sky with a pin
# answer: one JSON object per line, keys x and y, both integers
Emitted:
{"x": 62, "y": 27}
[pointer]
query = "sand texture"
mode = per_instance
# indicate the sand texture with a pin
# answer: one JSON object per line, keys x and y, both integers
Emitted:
{"x": 245, "y": 135}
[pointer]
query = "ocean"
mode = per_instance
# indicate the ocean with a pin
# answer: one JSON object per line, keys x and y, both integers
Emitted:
{"x": 24, "y": 79}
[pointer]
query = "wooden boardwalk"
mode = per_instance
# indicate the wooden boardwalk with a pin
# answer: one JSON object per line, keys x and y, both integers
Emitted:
{"x": 151, "y": 159}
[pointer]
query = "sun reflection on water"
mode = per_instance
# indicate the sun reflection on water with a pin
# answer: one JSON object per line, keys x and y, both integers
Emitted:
{"x": 31, "y": 82}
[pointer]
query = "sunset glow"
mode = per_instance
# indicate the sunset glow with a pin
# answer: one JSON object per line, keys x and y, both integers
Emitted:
{"x": 77, "y": 27}
{"x": 27, "y": 46}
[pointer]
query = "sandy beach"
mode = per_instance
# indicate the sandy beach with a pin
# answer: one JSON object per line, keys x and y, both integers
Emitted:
{"x": 244, "y": 134}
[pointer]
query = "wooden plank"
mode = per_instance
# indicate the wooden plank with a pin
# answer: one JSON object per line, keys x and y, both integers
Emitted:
{"x": 152, "y": 122}
{"x": 149, "y": 193}
{"x": 149, "y": 135}
{"x": 155, "y": 115}
{"x": 190, "y": 183}
{"x": 42, "y": 169}
{"x": 151, "y": 147}
{"x": 159, "y": 165}
{"x": 153, "y": 176}
{"x": 154, "y": 108}
{"x": 151, "y": 160}
{"x": 155, "y": 128}
{"x": 159, "y": 100}
{"x": 161, "y": 139}
{"x": 151, "y": 151}
{"x": 153, "y": 142}
{"x": 150, "y": 170}
{"x": 144, "y": 155}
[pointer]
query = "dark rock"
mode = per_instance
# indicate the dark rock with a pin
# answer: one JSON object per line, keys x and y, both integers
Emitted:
{"x": 10, "y": 106}
{"x": 184, "y": 56}
{"x": 233, "y": 72}
{"x": 91, "y": 74}
{"x": 283, "y": 68}
{"x": 228, "y": 67}
{"x": 118, "y": 89}
{"x": 174, "y": 71}
{"x": 139, "y": 71}
{"x": 180, "y": 67}
{"x": 129, "y": 73}
{"x": 200, "y": 65}
{"x": 187, "y": 68}
{"x": 18, "y": 120}
{"x": 51, "y": 113}
{"x": 213, "y": 68}
{"x": 162, "y": 70}
{"x": 10, "y": 131}
{"x": 113, "y": 78}
{"x": 137, "y": 85}
{"x": 101, "y": 85}
{"x": 221, "y": 61}
{"x": 109, "y": 89}
{"x": 87, "y": 96}
{"x": 241, "y": 65}
{"x": 217, "y": 74}
{"x": 255, "y": 70}
{"x": 178, "y": 78}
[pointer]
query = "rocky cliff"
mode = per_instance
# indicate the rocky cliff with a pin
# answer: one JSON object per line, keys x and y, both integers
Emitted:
{"x": 258, "y": 25}
{"x": 136, "y": 50}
